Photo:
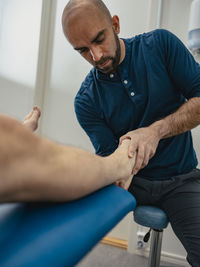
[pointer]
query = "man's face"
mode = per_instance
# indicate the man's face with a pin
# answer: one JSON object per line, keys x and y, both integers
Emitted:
{"x": 94, "y": 37}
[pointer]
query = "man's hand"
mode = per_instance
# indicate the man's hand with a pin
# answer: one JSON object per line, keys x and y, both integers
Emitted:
{"x": 143, "y": 144}
{"x": 31, "y": 120}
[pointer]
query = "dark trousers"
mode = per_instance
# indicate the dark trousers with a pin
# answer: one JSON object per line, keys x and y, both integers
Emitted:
{"x": 179, "y": 197}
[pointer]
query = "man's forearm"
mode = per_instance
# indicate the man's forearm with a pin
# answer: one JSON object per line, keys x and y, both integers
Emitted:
{"x": 185, "y": 118}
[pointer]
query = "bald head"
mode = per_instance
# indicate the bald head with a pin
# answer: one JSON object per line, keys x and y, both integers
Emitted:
{"x": 90, "y": 29}
{"x": 75, "y": 7}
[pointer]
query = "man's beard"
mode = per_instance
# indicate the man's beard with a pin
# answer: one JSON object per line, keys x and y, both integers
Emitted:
{"x": 115, "y": 60}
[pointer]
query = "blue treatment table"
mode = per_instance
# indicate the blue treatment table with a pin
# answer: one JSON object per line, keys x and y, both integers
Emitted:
{"x": 49, "y": 234}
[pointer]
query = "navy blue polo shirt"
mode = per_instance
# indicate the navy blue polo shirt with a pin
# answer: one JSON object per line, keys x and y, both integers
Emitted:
{"x": 157, "y": 75}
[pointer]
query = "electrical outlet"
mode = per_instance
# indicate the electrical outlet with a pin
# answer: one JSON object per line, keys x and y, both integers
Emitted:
{"x": 141, "y": 232}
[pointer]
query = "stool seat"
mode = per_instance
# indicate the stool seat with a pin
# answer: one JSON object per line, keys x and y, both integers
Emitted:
{"x": 150, "y": 216}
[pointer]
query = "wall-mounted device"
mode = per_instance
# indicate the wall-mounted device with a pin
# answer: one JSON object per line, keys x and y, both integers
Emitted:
{"x": 194, "y": 27}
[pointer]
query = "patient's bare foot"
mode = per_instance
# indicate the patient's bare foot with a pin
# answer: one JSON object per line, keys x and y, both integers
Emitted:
{"x": 31, "y": 120}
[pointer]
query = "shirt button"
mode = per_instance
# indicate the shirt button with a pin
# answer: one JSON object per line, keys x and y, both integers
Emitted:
{"x": 111, "y": 75}
{"x": 132, "y": 93}
{"x": 125, "y": 81}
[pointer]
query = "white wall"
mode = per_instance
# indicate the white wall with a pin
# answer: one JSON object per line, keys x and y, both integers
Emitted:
{"x": 19, "y": 39}
{"x": 67, "y": 73}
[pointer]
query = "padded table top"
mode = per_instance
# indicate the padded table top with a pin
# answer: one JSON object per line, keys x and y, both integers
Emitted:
{"x": 59, "y": 234}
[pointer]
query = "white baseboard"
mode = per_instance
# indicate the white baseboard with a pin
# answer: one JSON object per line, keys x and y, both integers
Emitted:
{"x": 165, "y": 256}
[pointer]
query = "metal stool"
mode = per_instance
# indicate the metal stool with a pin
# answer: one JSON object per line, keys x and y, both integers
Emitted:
{"x": 156, "y": 220}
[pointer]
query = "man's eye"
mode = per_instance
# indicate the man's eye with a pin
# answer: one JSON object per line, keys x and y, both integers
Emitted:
{"x": 83, "y": 50}
{"x": 99, "y": 41}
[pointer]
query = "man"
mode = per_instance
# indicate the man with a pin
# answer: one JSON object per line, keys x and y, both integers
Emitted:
{"x": 146, "y": 89}
{"x": 36, "y": 169}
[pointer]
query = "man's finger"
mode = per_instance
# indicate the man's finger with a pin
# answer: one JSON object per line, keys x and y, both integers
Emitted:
{"x": 146, "y": 159}
{"x": 132, "y": 149}
{"x": 139, "y": 160}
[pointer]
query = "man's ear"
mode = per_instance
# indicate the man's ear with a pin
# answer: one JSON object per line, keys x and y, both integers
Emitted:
{"x": 115, "y": 24}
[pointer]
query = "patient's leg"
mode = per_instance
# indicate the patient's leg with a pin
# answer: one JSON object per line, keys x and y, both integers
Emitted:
{"x": 31, "y": 120}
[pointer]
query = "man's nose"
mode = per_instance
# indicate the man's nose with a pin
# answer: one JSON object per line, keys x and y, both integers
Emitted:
{"x": 96, "y": 53}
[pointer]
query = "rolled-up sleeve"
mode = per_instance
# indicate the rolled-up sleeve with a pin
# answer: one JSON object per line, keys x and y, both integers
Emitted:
{"x": 181, "y": 66}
